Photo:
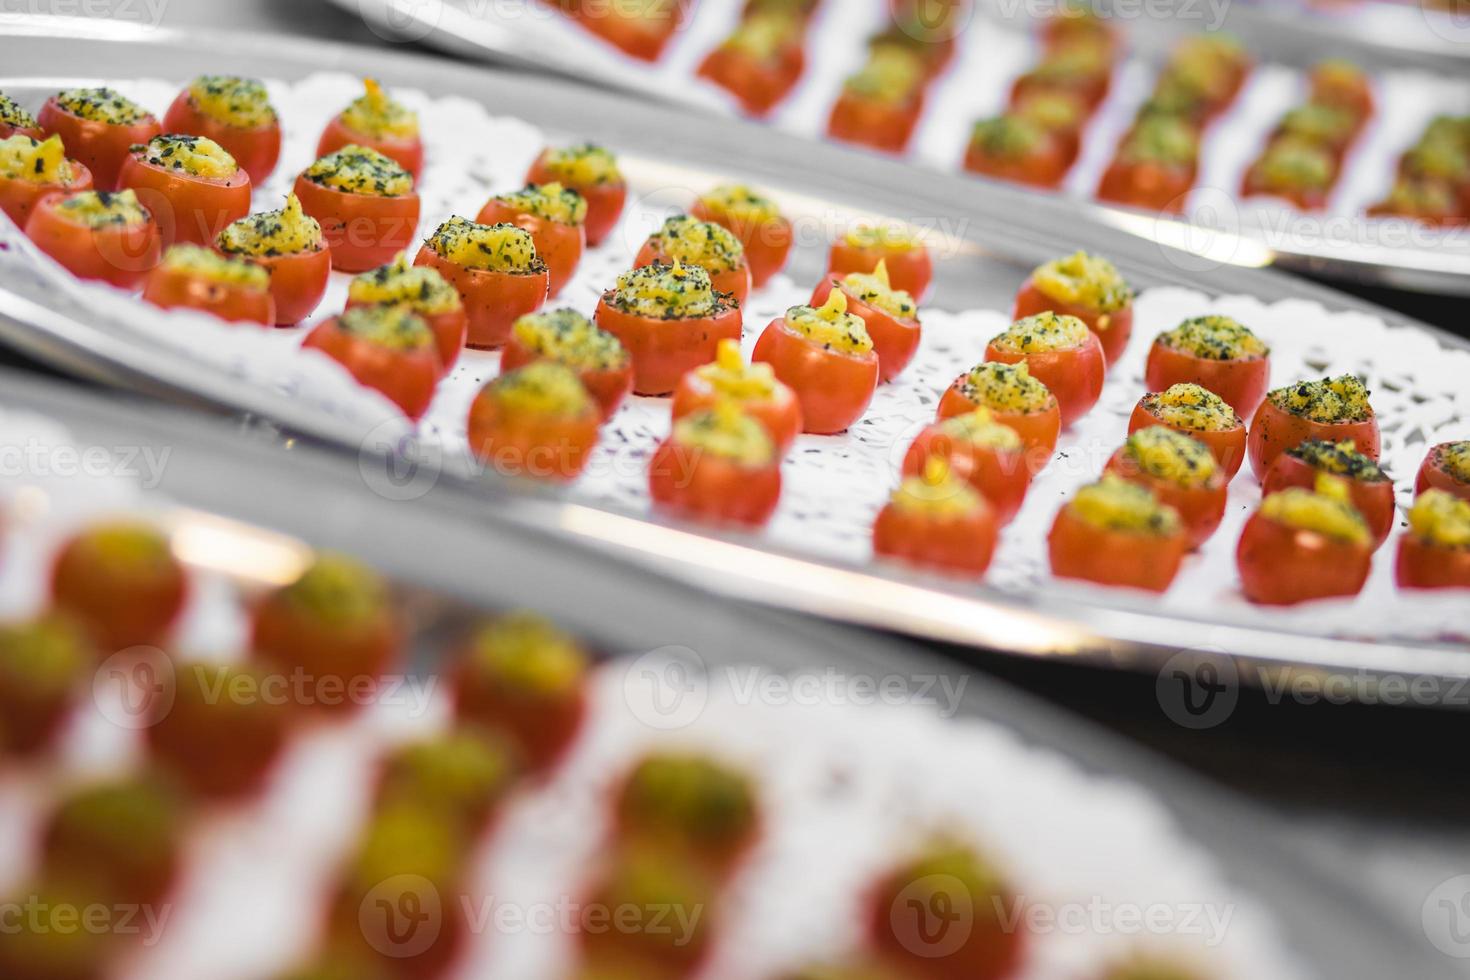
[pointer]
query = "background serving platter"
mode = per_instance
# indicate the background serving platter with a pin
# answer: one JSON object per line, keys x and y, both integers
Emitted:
{"x": 995, "y": 45}
{"x": 996, "y": 241}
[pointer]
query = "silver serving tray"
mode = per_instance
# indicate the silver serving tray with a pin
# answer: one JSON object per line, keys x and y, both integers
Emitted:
{"x": 1006, "y": 234}
{"x": 504, "y": 34}
{"x": 1326, "y": 916}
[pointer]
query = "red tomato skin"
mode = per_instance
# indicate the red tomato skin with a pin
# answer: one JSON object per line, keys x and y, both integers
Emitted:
{"x": 1253, "y": 184}
{"x": 101, "y": 147}
{"x": 18, "y": 198}
{"x": 256, "y": 150}
{"x": 169, "y": 289}
{"x": 33, "y": 721}
{"x": 1090, "y": 91}
{"x": 298, "y": 282}
{"x": 608, "y": 386}
{"x": 121, "y": 611}
{"x": 911, "y": 270}
{"x": 735, "y": 281}
{"x": 767, "y": 244}
{"x": 286, "y": 639}
{"x": 1375, "y": 501}
{"x": 702, "y": 487}
{"x": 120, "y": 256}
{"x": 362, "y": 231}
{"x": 187, "y": 208}
{"x": 758, "y": 86}
{"x": 1079, "y": 550}
{"x": 409, "y": 153}
{"x": 895, "y": 340}
{"x": 493, "y": 301}
{"x": 1227, "y": 446}
{"x": 406, "y": 378}
{"x": 1274, "y": 431}
{"x": 1424, "y": 566}
{"x": 1283, "y": 566}
{"x": 990, "y": 951}
{"x": 780, "y": 414}
{"x": 875, "y": 124}
{"x": 553, "y": 449}
{"x": 1201, "y": 508}
{"x": 1241, "y": 383}
{"x": 34, "y": 132}
{"x": 218, "y": 749}
{"x": 1433, "y": 475}
{"x": 1147, "y": 185}
{"x": 1074, "y": 376}
{"x": 1030, "y": 300}
{"x": 1038, "y": 430}
{"x": 559, "y": 245}
{"x": 605, "y": 202}
{"x": 542, "y": 727}
{"x": 1045, "y": 168}
{"x": 663, "y": 351}
{"x": 634, "y": 37}
{"x": 449, "y": 329}
{"x": 1002, "y": 478}
{"x": 956, "y": 546}
{"x": 834, "y": 389}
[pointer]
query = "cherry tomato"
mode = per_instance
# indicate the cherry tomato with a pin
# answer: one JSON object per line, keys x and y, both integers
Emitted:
{"x": 122, "y": 581}
{"x": 767, "y": 243}
{"x": 910, "y": 266}
{"x": 1423, "y": 565}
{"x": 1373, "y": 498}
{"x": 869, "y": 122}
{"x": 37, "y": 692}
{"x": 449, "y": 328}
{"x": 1265, "y": 180}
{"x": 895, "y": 339}
{"x": 256, "y": 149}
{"x": 139, "y": 867}
{"x": 1038, "y": 430}
{"x": 462, "y": 777}
{"x": 1282, "y": 565}
{"x": 492, "y": 300}
{"x": 734, "y": 281}
{"x": 188, "y": 208}
{"x": 362, "y": 230}
{"x": 664, "y": 350}
{"x": 697, "y": 484}
{"x": 1343, "y": 86}
{"x": 605, "y": 200}
{"x": 1201, "y": 508}
{"x": 1435, "y": 473}
{"x": 224, "y": 731}
{"x": 1002, "y": 477}
{"x": 640, "y": 32}
{"x": 640, "y": 947}
{"x": 1150, "y": 185}
{"x": 559, "y": 245}
{"x": 1081, "y": 550}
{"x": 170, "y": 287}
{"x": 1274, "y": 430}
{"x": 1113, "y": 330}
{"x": 550, "y": 444}
{"x": 833, "y": 387}
{"x": 956, "y": 544}
{"x": 119, "y": 254}
{"x": 779, "y": 412}
{"x": 406, "y": 377}
{"x": 1227, "y": 445}
{"x": 692, "y": 806}
{"x": 298, "y": 282}
{"x": 408, "y": 152}
{"x": 609, "y": 385}
{"x": 101, "y": 147}
{"x": 18, "y": 198}
{"x": 1074, "y": 376}
{"x": 1044, "y": 163}
{"x": 1242, "y": 383}
{"x": 758, "y": 84}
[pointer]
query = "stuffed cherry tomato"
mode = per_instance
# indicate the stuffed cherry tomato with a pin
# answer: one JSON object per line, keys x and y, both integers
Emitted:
{"x": 592, "y": 172}
{"x": 686, "y": 240}
{"x": 497, "y": 270}
{"x": 1015, "y": 149}
{"x": 1115, "y": 532}
{"x": 536, "y": 421}
{"x": 640, "y": 30}
{"x": 99, "y": 127}
{"x": 751, "y": 386}
{"x": 1083, "y": 71}
{"x": 1155, "y": 167}
{"x": 756, "y": 221}
{"x": 1061, "y": 353}
{"x": 193, "y": 187}
{"x": 567, "y": 337}
{"x": 462, "y": 777}
{"x": 1078, "y": 25}
{"x": 122, "y": 581}
{"x": 910, "y": 267}
{"x": 1088, "y": 287}
{"x": 422, "y": 290}
{"x": 234, "y": 112}
{"x": 380, "y": 123}
{"x": 670, "y": 320}
{"x": 139, "y": 865}
{"x": 197, "y": 278}
{"x": 30, "y": 169}
{"x": 1203, "y": 76}
{"x": 880, "y": 105}
{"x": 700, "y": 809}
{"x": 387, "y": 348}
{"x": 365, "y": 203}
{"x": 1435, "y": 552}
{"x": 1331, "y": 410}
{"x": 1060, "y": 115}
{"x": 1446, "y": 467}
{"x": 523, "y": 678}
{"x": 43, "y": 663}
{"x": 1015, "y": 400}
{"x": 760, "y": 62}
{"x": 220, "y": 747}
{"x": 640, "y": 947}
{"x": 1200, "y": 414}
{"x": 1304, "y": 545}
{"x": 1369, "y": 488}
{"x": 97, "y": 235}
{"x": 937, "y": 521}
{"x": 290, "y": 245}
{"x": 718, "y": 466}
{"x": 946, "y": 874}
{"x": 1181, "y": 472}
{"x": 890, "y": 315}
{"x": 555, "y": 217}
{"x": 1294, "y": 170}
{"x": 1343, "y": 85}
{"x": 15, "y": 120}
{"x": 1322, "y": 125}
{"x": 1216, "y": 353}
{"x": 989, "y": 456}
{"x": 1429, "y": 202}
{"x": 826, "y": 356}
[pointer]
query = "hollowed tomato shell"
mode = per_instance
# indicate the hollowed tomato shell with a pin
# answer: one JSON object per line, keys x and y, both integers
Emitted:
{"x": 1282, "y": 566}
{"x": 609, "y": 386}
{"x": 1038, "y": 430}
{"x": 559, "y": 245}
{"x": 767, "y": 244}
{"x": 911, "y": 269}
{"x": 1226, "y": 445}
{"x": 895, "y": 340}
{"x": 1147, "y": 185}
{"x": 1274, "y": 431}
{"x": 363, "y": 231}
{"x": 1002, "y": 478}
{"x": 880, "y": 125}
{"x": 663, "y": 351}
{"x": 256, "y": 150}
{"x": 604, "y": 201}
{"x": 1080, "y": 550}
{"x": 1434, "y": 475}
{"x": 701, "y": 486}
{"x": 1201, "y": 508}
{"x": 541, "y": 446}
{"x": 493, "y": 301}
{"x": 450, "y": 330}
{"x": 1241, "y": 383}
{"x": 408, "y": 153}
{"x": 298, "y": 282}
{"x": 1425, "y": 566}
{"x": 1374, "y": 500}
{"x": 406, "y": 378}
{"x": 120, "y": 255}
{"x": 1045, "y": 167}
{"x": 954, "y": 545}
{"x": 1030, "y": 300}
{"x": 780, "y": 414}
{"x": 834, "y": 388}
{"x": 757, "y": 84}
{"x": 187, "y": 208}
{"x": 18, "y": 198}
{"x": 1074, "y": 376}
{"x": 100, "y": 147}
{"x": 171, "y": 288}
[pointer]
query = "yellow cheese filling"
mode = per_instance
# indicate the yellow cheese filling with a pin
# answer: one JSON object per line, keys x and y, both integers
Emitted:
{"x": 339, "y": 590}
{"x": 689, "y": 795}
{"x": 1441, "y": 519}
{"x": 666, "y": 292}
{"x": 206, "y": 263}
{"x": 730, "y": 376}
{"x": 240, "y": 103}
{"x": 35, "y": 161}
{"x": 1006, "y": 388}
{"x": 728, "y": 433}
{"x": 394, "y": 327}
{"x": 1215, "y": 338}
{"x": 936, "y": 493}
{"x": 1160, "y": 452}
{"x": 763, "y": 34}
{"x": 289, "y": 231}
{"x": 1455, "y": 458}
{"x": 420, "y": 287}
{"x": 1325, "y": 510}
{"x": 702, "y": 243}
{"x": 885, "y": 237}
{"x": 1340, "y": 399}
{"x": 980, "y": 429}
{"x": 527, "y": 654}
{"x": 46, "y": 654}
{"x": 1085, "y": 280}
{"x": 1188, "y": 406}
{"x": 358, "y": 170}
{"x": 197, "y": 156}
{"x": 583, "y": 165}
{"x": 891, "y": 75}
{"x": 100, "y": 209}
{"x": 1042, "y": 333}
{"x": 876, "y": 289}
{"x": 542, "y": 388}
{"x": 102, "y": 105}
{"x": 831, "y": 326}
{"x": 14, "y": 115}
{"x": 569, "y": 338}
{"x": 1114, "y": 504}
{"x": 741, "y": 205}
{"x": 377, "y": 115}
{"x": 492, "y": 248}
